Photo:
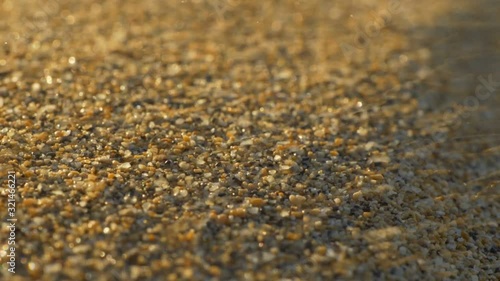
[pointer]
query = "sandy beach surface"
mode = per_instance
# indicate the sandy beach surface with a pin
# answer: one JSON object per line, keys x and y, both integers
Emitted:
{"x": 249, "y": 140}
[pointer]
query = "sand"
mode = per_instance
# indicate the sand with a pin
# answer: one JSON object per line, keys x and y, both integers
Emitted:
{"x": 249, "y": 140}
